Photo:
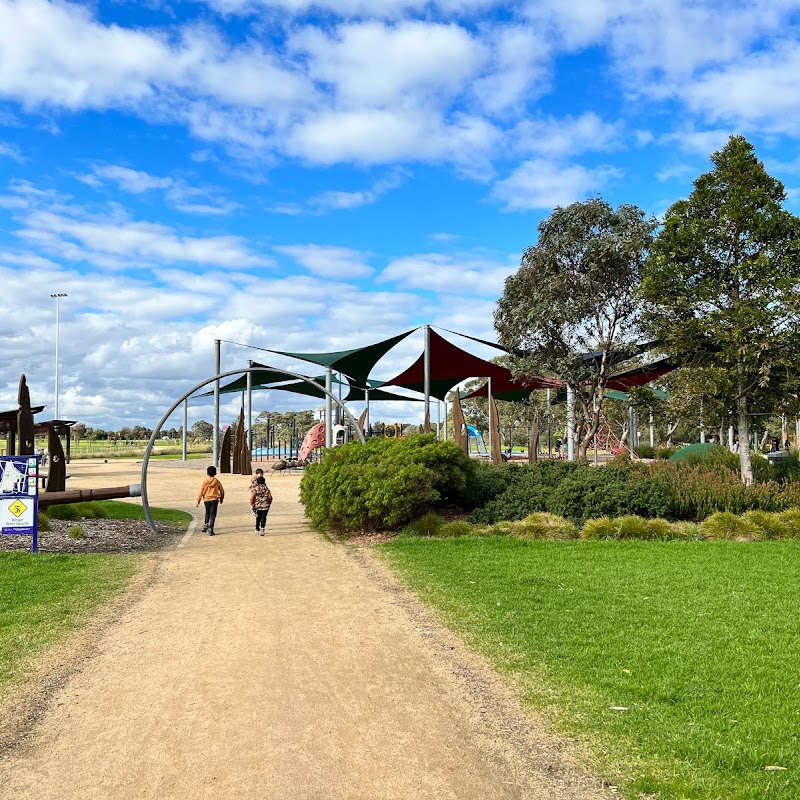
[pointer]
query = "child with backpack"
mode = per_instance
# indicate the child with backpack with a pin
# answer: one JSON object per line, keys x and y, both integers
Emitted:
{"x": 260, "y": 501}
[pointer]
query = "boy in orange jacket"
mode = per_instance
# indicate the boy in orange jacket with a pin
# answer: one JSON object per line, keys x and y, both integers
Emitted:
{"x": 212, "y": 494}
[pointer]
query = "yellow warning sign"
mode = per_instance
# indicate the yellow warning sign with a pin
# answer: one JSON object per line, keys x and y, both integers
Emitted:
{"x": 18, "y": 508}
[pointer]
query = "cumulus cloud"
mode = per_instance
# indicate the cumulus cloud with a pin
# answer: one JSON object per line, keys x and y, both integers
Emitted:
{"x": 328, "y": 261}
{"x": 118, "y": 243}
{"x": 544, "y": 184}
{"x": 464, "y": 274}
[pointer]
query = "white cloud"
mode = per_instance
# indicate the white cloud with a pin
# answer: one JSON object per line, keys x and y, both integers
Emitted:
{"x": 10, "y": 150}
{"x": 465, "y": 274}
{"x": 566, "y": 136}
{"x": 380, "y": 9}
{"x": 760, "y": 90}
{"x": 372, "y": 64}
{"x": 333, "y": 200}
{"x": 545, "y": 184}
{"x": 131, "y": 180}
{"x": 382, "y": 136}
{"x": 328, "y": 261}
{"x": 119, "y": 243}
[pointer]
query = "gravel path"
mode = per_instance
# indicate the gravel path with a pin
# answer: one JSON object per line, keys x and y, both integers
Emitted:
{"x": 278, "y": 667}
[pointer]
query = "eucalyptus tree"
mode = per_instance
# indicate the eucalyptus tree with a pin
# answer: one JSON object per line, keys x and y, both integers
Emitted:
{"x": 722, "y": 283}
{"x": 572, "y": 308}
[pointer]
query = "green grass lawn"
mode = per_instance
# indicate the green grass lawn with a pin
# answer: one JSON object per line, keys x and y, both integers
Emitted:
{"x": 699, "y": 641}
{"x": 45, "y": 597}
{"x": 113, "y": 509}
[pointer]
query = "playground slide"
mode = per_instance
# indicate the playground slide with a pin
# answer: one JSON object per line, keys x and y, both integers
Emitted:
{"x": 314, "y": 438}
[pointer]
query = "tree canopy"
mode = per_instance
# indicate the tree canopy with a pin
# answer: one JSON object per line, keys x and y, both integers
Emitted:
{"x": 571, "y": 309}
{"x": 722, "y": 282}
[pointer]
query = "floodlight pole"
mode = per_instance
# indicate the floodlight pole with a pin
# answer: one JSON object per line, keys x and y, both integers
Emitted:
{"x": 215, "y": 435}
{"x": 57, "y": 296}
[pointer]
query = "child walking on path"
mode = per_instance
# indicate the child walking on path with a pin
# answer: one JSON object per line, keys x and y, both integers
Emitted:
{"x": 212, "y": 494}
{"x": 260, "y": 501}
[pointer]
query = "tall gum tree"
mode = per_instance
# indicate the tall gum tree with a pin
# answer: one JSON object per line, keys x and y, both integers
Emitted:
{"x": 572, "y": 309}
{"x": 722, "y": 283}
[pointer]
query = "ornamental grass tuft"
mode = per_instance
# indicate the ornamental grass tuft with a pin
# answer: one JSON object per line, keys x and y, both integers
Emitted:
{"x": 726, "y": 525}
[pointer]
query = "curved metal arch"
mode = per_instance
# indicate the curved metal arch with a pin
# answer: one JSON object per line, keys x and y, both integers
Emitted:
{"x": 146, "y": 460}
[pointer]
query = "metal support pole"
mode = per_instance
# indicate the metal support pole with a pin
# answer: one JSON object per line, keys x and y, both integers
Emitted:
{"x": 652, "y": 430}
{"x": 184, "y": 449}
{"x": 250, "y": 408}
{"x": 570, "y": 423}
{"x": 328, "y": 408}
{"x": 215, "y": 435}
{"x": 427, "y": 374}
{"x": 438, "y": 419}
{"x": 549, "y": 426}
{"x": 445, "y": 418}
{"x": 57, "y": 296}
{"x": 491, "y": 426}
{"x": 366, "y": 417}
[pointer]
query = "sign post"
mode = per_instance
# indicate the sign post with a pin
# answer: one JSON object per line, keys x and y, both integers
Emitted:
{"x": 19, "y": 496}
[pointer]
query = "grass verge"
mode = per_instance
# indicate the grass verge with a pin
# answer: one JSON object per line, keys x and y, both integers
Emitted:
{"x": 44, "y": 597}
{"x": 699, "y": 642}
{"x": 113, "y": 509}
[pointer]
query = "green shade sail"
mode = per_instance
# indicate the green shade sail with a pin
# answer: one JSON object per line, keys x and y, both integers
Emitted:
{"x": 357, "y": 363}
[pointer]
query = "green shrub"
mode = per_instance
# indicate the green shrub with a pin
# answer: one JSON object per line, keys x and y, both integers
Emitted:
{"x": 771, "y": 525}
{"x": 611, "y": 491}
{"x": 428, "y": 525}
{"x": 76, "y": 532}
{"x": 457, "y": 527}
{"x": 485, "y": 482}
{"x": 664, "y": 453}
{"x": 645, "y": 451}
{"x": 726, "y": 525}
{"x": 635, "y": 527}
{"x": 527, "y": 491}
{"x": 600, "y": 528}
{"x": 544, "y": 526}
{"x": 72, "y": 511}
{"x": 43, "y": 523}
{"x": 791, "y": 519}
{"x": 689, "y": 531}
{"x": 383, "y": 484}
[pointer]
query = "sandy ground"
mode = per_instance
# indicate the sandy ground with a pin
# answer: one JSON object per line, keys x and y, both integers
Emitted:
{"x": 278, "y": 667}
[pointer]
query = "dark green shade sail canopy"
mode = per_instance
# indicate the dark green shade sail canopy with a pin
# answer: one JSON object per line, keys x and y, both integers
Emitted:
{"x": 357, "y": 363}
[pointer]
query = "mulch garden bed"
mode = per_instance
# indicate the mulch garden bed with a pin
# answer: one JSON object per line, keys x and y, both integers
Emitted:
{"x": 99, "y": 536}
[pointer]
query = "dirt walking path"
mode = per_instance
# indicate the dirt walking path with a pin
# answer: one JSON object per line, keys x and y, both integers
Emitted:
{"x": 278, "y": 667}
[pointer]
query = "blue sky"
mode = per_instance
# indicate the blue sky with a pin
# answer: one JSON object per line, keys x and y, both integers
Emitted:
{"x": 319, "y": 175}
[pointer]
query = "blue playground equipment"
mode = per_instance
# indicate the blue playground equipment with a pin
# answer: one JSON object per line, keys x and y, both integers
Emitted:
{"x": 476, "y": 446}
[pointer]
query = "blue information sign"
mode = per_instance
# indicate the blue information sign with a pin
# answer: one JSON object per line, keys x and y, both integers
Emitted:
{"x": 19, "y": 496}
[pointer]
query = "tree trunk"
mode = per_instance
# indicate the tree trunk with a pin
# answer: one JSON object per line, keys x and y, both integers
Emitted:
{"x": 745, "y": 462}
{"x": 533, "y": 442}
{"x": 671, "y": 428}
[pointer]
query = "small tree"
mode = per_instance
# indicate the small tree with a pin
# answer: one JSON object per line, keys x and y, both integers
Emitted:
{"x": 202, "y": 430}
{"x": 571, "y": 309}
{"x": 722, "y": 282}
